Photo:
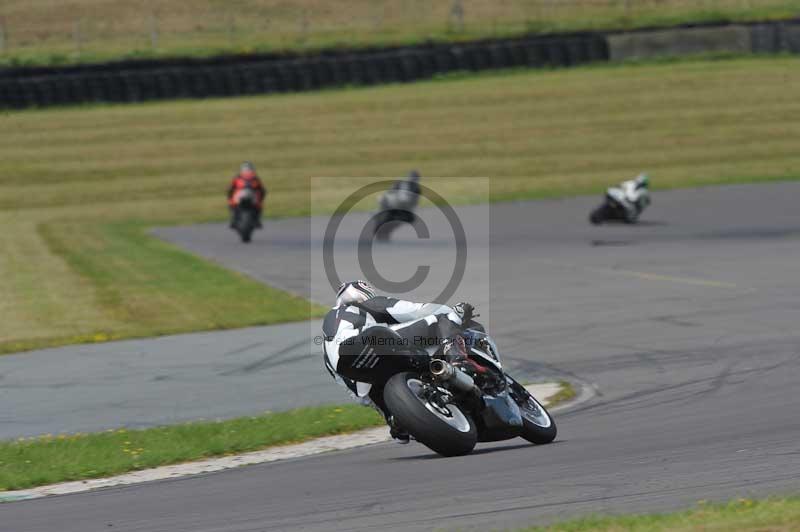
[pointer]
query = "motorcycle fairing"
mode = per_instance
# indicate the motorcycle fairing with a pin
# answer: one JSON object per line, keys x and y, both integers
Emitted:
{"x": 377, "y": 354}
{"x": 500, "y": 411}
{"x": 618, "y": 195}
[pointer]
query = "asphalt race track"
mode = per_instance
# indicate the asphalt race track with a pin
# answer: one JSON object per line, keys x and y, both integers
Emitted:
{"x": 687, "y": 326}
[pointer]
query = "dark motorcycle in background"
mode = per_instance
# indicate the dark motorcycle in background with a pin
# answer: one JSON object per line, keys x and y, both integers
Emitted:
{"x": 386, "y": 221}
{"x": 245, "y": 213}
{"x": 449, "y": 404}
{"x": 396, "y": 207}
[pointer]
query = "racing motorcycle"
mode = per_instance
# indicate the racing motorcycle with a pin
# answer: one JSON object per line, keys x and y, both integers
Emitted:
{"x": 396, "y": 206}
{"x": 245, "y": 213}
{"x": 623, "y": 203}
{"x": 386, "y": 221}
{"x": 451, "y": 403}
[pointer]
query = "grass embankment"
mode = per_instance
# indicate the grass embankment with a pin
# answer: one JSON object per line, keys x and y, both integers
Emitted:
{"x": 58, "y": 32}
{"x": 50, "y": 459}
{"x": 78, "y": 186}
{"x": 742, "y": 515}
{"x": 113, "y": 281}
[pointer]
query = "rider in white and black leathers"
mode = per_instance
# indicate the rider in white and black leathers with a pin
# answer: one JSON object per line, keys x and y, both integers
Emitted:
{"x": 360, "y": 314}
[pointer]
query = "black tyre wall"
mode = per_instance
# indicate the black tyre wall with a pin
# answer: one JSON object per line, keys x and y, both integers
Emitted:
{"x": 233, "y": 76}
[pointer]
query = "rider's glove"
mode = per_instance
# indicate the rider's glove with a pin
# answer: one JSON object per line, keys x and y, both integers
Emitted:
{"x": 465, "y": 311}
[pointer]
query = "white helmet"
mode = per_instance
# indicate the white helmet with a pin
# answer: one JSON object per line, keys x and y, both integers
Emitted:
{"x": 354, "y": 292}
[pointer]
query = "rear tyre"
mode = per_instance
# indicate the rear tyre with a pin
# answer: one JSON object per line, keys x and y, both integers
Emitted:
{"x": 446, "y": 430}
{"x": 630, "y": 218}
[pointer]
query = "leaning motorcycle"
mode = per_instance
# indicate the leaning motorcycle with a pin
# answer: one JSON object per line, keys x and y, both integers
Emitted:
{"x": 450, "y": 404}
{"x": 396, "y": 207}
{"x": 245, "y": 216}
{"x": 617, "y": 207}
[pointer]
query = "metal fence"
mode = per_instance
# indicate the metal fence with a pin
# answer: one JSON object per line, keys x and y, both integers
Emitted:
{"x": 56, "y": 31}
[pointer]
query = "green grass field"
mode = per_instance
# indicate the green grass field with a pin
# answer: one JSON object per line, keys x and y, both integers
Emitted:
{"x": 741, "y": 515}
{"x": 49, "y": 459}
{"x": 68, "y": 31}
{"x": 79, "y": 186}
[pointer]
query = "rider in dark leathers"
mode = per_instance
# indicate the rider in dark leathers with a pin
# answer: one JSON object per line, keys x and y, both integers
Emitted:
{"x": 360, "y": 315}
{"x": 398, "y": 203}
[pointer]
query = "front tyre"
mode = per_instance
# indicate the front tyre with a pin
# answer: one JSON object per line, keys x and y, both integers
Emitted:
{"x": 598, "y": 215}
{"x": 538, "y": 425}
{"x": 444, "y": 428}
{"x": 246, "y": 226}
{"x": 382, "y": 229}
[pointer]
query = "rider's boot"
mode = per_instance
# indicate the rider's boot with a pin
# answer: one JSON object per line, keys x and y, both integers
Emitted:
{"x": 398, "y": 435}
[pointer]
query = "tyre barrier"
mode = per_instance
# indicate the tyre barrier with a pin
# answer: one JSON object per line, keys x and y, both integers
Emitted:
{"x": 775, "y": 38}
{"x": 138, "y": 82}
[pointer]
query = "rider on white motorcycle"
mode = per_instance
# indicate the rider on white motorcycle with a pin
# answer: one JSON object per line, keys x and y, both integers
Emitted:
{"x": 633, "y": 195}
{"x": 354, "y": 325}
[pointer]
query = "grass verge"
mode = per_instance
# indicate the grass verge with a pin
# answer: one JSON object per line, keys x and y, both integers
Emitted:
{"x": 79, "y": 186}
{"x": 50, "y": 32}
{"x": 742, "y": 515}
{"x": 49, "y": 459}
{"x": 565, "y": 393}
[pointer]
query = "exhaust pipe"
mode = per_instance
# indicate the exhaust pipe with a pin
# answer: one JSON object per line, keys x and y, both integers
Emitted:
{"x": 452, "y": 375}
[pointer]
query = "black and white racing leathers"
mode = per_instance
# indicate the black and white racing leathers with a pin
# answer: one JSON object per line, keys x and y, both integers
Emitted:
{"x": 350, "y": 333}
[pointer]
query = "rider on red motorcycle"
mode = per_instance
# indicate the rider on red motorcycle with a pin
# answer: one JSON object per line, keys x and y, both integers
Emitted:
{"x": 246, "y": 178}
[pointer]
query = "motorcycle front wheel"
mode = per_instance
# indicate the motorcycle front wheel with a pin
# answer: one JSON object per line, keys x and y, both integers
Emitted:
{"x": 443, "y": 428}
{"x": 246, "y": 226}
{"x": 537, "y": 425}
{"x": 598, "y": 215}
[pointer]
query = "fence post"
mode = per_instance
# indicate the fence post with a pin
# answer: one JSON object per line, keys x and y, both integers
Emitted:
{"x": 3, "y": 35}
{"x": 377, "y": 19}
{"x": 303, "y": 28}
{"x": 231, "y": 20}
{"x": 77, "y": 36}
{"x": 154, "y": 33}
{"x": 457, "y": 15}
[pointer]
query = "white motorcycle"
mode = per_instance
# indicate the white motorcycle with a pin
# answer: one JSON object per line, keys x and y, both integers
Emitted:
{"x": 623, "y": 203}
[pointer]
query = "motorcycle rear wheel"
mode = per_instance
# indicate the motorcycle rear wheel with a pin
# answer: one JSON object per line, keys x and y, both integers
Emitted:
{"x": 446, "y": 430}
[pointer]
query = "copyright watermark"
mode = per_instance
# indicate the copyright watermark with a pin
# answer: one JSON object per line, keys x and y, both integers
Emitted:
{"x": 432, "y": 251}
{"x": 422, "y": 342}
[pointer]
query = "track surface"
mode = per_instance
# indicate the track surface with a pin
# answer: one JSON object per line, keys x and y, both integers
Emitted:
{"x": 686, "y": 324}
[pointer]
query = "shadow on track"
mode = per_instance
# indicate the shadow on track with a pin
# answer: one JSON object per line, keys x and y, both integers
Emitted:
{"x": 489, "y": 450}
